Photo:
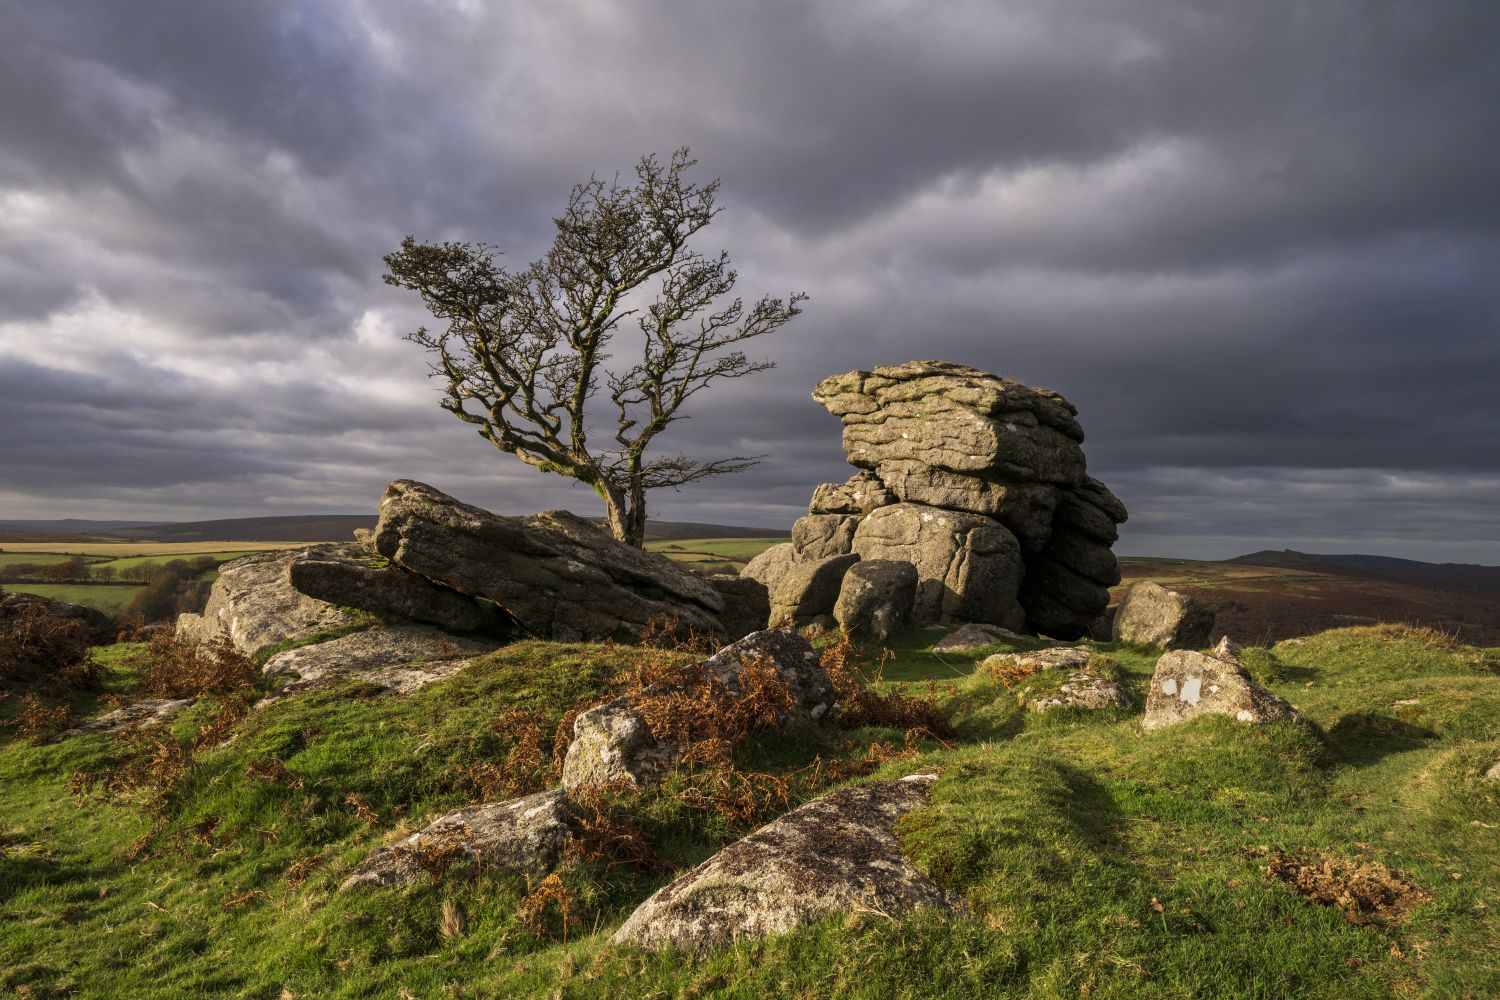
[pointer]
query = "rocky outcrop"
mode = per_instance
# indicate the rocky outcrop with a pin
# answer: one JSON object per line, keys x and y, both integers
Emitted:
{"x": 613, "y": 744}
{"x": 355, "y": 579}
{"x": 526, "y": 835}
{"x": 806, "y": 593}
{"x": 377, "y": 656}
{"x": 1001, "y": 463}
{"x": 1187, "y": 684}
{"x": 875, "y": 598}
{"x": 969, "y": 567}
{"x": 1152, "y": 615}
{"x": 834, "y": 854}
{"x": 747, "y": 604}
{"x": 254, "y": 603}
{"x": 556, "y": 574}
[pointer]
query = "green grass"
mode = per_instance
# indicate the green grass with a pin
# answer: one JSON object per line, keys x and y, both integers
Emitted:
{"x": 42, "y": 558}
{"x": 713, "y": 555}
{"x": 111, "y": 598}
{"x": 1097, "y": 860}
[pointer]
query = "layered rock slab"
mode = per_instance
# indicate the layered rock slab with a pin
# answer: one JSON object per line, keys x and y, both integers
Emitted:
{"x": 1188, "y": 684}
{"x": 349, "y": 579}
{"x": 556, "y": 574}
{"x": 834, "y": 854}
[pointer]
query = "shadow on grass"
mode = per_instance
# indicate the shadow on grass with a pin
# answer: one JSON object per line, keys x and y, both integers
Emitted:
{"x": 1363, "y": 738}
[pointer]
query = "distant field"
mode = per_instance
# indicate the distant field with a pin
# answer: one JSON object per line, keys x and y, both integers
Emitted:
{"x": 713, "y": 555}
{"x": 10, "y": 558}
{"x": 1264, "y": 604}
{"x": 109, "y": 598}
{"x": 145, "y": 550}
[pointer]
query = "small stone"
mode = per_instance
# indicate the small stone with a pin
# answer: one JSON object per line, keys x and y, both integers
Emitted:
{"x": 1187, "y": 684}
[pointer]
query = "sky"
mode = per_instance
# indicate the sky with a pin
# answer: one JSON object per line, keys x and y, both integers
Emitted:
{"x": 1256, "y": 244}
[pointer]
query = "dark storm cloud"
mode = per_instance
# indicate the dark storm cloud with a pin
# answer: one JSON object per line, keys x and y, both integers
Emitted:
{"x": 1254, "y": 243}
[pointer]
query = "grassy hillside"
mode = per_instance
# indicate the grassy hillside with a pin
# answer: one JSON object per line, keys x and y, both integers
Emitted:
{"x": 1098, "y": 860}
{"x": 111, "y": 598}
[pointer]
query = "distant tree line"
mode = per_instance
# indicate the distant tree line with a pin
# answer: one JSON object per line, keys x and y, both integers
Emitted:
{"x": 170, "y": 588}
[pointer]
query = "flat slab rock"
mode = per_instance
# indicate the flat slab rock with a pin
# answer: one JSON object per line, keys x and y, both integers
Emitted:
{"x": 1080, "y": 690}
{"x": 834, "y": 854}
{"x": 402, "y": 657}
{"x": 527, "y": 835}
{"x": 1056, "y": 658}
{"x": 967, "y": 638}
{"x": 1187, "y": 684}
{"x": 146, "y": 712}
{"x": 556, "y": 574}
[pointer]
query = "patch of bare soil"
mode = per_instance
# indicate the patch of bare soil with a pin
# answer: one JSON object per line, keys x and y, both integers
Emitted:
{"x": 1366, "y": 891}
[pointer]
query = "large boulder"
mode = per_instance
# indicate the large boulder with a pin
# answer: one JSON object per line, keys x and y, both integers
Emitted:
{"x": 771, "y": 565}
{"x": 1151, "y": 615}
{"x": 1187, "y": 684}
{"x": 526, "y": 835}
{"x": 875, "y": 598}
{"x": 807, "y": 592}
{"x": 556, "y": 574}
{"x": 834, "y": 854}
{"x": 747, "y": 604}
{"x": 613, "y": 744}
{"x": 969, "y": 567}
{"x": 254, "y": 603}
{"x": 361, "y": 581}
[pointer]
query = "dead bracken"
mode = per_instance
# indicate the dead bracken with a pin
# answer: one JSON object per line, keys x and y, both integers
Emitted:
{"x": 1366, "y": 891}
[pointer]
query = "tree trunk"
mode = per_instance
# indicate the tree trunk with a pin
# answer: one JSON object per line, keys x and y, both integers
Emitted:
{"x": 626, "y": 515}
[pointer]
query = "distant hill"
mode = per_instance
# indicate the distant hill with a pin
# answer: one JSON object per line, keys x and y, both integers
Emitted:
{"x": 1439, "y": 576}
{"x": 298, "y": 528}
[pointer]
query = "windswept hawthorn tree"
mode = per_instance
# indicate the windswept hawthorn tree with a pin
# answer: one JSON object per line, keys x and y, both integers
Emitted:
{"x": 523, "y": 354}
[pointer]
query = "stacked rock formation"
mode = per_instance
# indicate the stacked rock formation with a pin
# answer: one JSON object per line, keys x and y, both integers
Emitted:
{"x": 976, "y": 480}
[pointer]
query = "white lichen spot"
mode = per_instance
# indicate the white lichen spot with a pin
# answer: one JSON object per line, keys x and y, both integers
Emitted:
{"x": 1245, "y": 715}
{"x": 1192, "y": 690}
{"x": 1169, "y": 686}
{"x": 1213, "y": 689}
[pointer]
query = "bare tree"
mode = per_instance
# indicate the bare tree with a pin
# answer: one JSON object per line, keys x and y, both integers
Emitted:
{"x": 523, "y": 353}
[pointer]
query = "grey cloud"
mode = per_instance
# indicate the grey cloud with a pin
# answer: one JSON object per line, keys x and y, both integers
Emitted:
{"x": 1254, "y": 243}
